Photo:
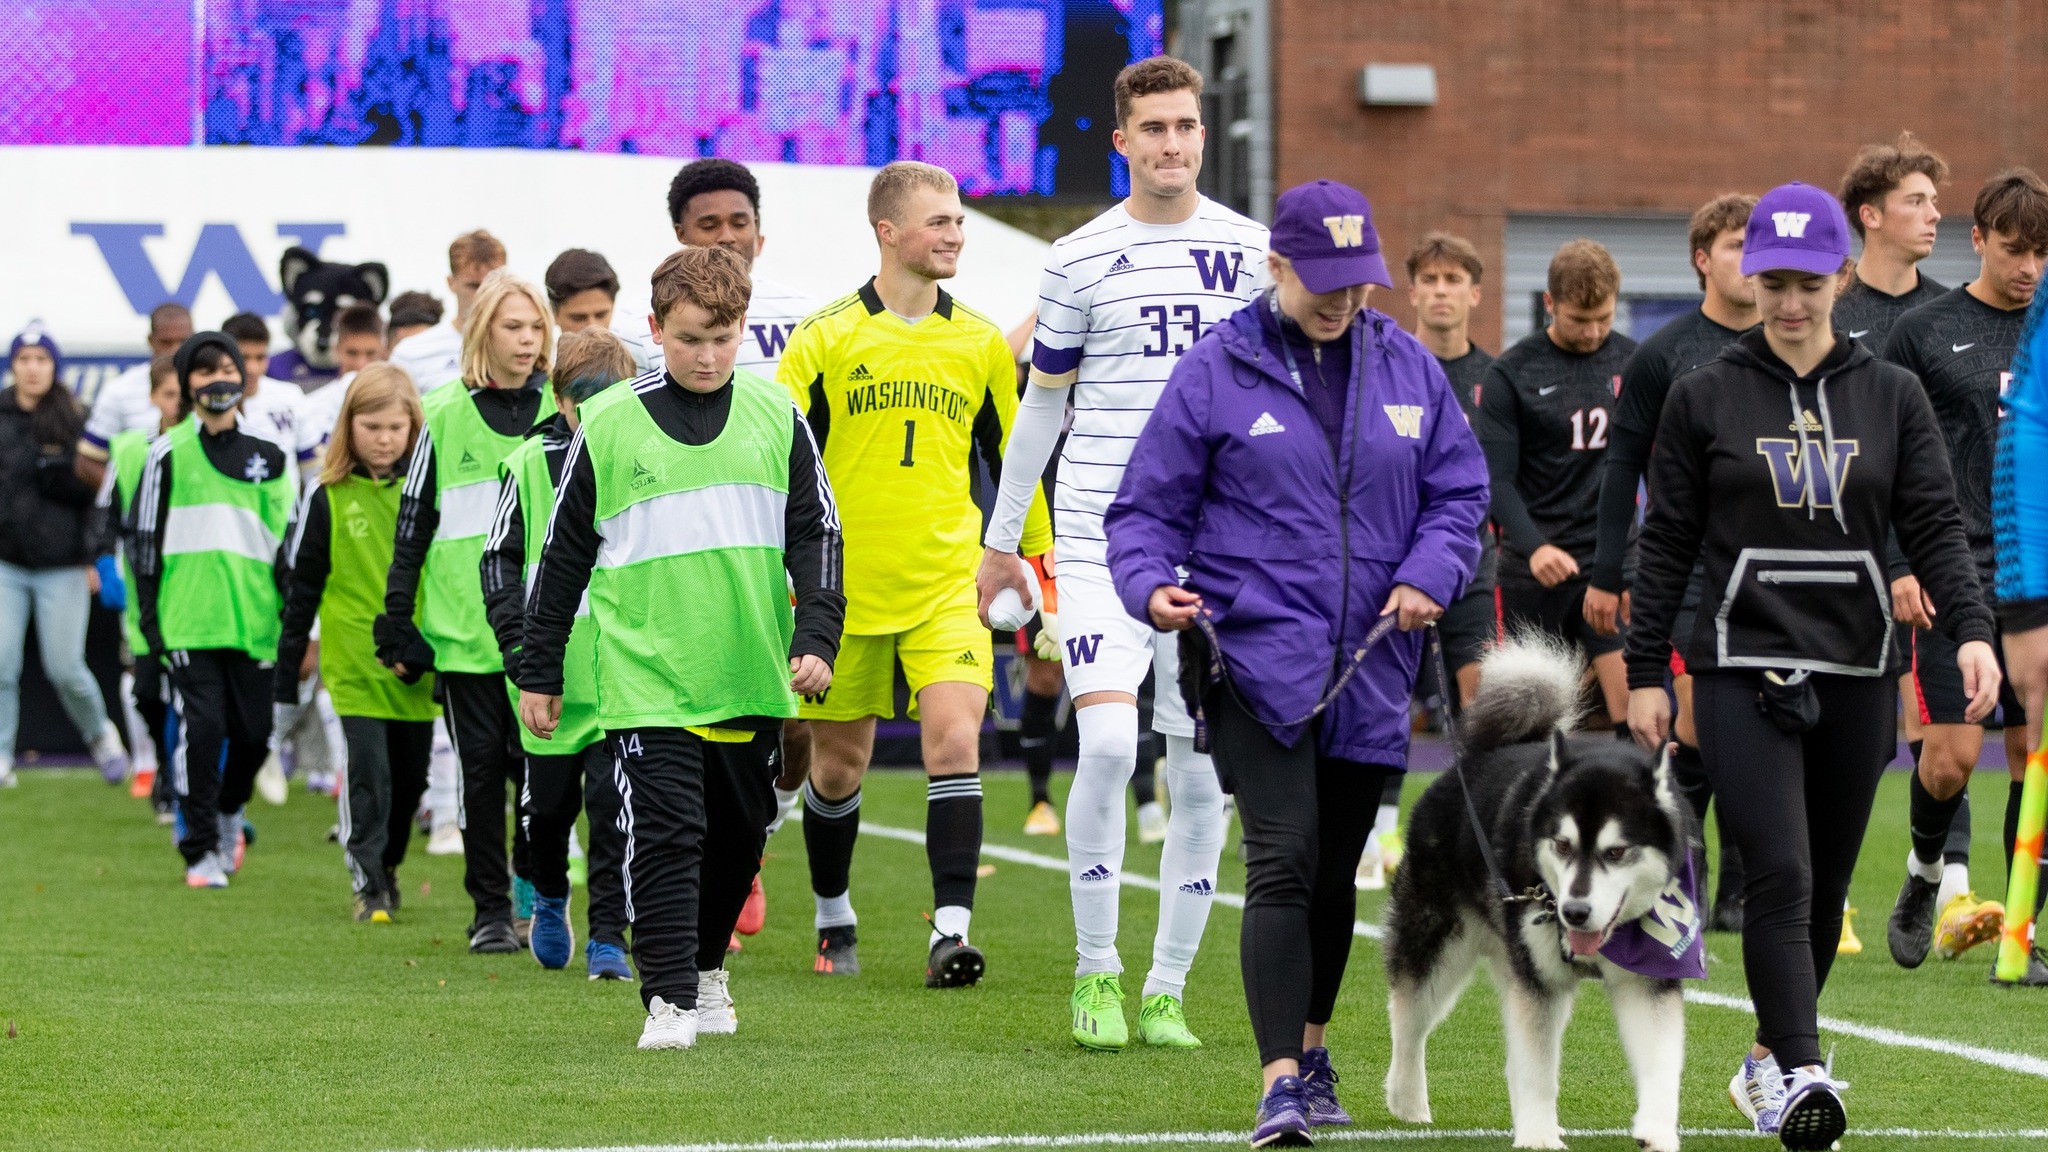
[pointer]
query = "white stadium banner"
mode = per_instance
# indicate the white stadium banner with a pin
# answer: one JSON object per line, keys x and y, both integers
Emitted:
{"x": 95, "y": 237}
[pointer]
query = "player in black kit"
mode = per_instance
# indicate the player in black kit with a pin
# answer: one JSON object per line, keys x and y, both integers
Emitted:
{"x": 1715, "y": 242}
{"x": 1961, "y": 346}
{"x": 1546, "y": 411}
{"x": 1889, "y": 195}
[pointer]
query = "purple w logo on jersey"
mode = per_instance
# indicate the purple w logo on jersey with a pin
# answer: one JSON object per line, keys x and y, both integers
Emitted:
{"x": 1800, "y": 477}
{"x": 772, "y": 338}
{"x": 1218, "y": 267}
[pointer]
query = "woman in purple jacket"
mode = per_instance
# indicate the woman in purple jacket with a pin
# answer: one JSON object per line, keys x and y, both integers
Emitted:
{"x": 1310, "y": 471}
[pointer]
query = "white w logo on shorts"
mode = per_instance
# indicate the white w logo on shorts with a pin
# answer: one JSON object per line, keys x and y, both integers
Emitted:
{"x": 1791, "y": 224}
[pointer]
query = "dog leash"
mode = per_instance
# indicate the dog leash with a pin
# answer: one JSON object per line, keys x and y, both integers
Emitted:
{"x": 1218, "y": 670}
{"x": 1533, "y": 895}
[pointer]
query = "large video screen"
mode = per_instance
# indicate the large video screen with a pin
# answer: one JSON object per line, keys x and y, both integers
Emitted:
{"x": 1012, "y": 96}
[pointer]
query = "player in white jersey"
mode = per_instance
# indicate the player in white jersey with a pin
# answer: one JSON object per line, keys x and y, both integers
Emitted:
{"x": 270, "y": 407}
{"x": 122, "y": 403}
{"x": 433, "y": 357}
{"x": 1120, "y": 300}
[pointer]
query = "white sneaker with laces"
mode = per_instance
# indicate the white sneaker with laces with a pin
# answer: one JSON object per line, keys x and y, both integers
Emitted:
{"x": 668, "y": 1026}
{"x": 1152, "y": 823}
{"x": 716, "y": 1015}
{"x": 1812, "y": 1117}
{"x": 1758, "y": 1092}
{"x": 446, "y": 841}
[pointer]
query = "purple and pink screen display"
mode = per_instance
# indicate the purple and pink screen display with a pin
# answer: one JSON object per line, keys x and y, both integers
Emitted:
{"x": 1012, "y": 96}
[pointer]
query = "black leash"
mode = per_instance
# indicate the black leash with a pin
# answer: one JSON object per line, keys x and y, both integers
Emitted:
{"x": 1493, "y": 872}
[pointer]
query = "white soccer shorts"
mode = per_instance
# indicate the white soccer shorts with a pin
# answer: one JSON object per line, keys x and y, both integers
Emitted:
{"x": 1104, "y": 650}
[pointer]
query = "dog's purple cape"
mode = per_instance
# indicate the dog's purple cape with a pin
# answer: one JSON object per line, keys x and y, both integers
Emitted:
{"x": 1666, "y": 942}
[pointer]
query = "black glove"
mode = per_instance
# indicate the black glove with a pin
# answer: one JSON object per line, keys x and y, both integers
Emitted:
{"x": 399, "y": 642}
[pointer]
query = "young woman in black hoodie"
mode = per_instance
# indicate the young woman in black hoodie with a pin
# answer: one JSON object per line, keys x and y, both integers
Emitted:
{"x": 1783, "y": 464}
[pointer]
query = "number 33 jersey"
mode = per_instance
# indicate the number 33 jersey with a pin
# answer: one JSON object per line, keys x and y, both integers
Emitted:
{"x": 897, "y": 408}
{"x": 1119, "y": 302}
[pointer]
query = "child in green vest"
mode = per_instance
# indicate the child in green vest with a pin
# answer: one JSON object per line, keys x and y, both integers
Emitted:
{"x": 150, "y": 696}
{"x": 340, "y": 551}
{"x": 692, "y": 506}
{"x": 210, "y": 518}
{"x": 574, "y": 769}
{"x": 433, "y": 618}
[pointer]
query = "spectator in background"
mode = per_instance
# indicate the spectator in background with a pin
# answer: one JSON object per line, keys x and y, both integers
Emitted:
{"x": 434, "y": 357}
{"x": 358, "y": 343}
{"x": 123, "y": 402}
{"x": 582, "y": 289}
{"x": 411, "y": 313}
{"x": 45, "y": 552}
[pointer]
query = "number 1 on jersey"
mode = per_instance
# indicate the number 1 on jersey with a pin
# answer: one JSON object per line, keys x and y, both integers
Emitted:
{"x": 909, "y": 441}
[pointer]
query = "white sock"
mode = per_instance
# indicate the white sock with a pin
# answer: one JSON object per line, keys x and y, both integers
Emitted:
{"x": 785, "y": 803}
{"x": 330, "y": 730}
{"x": 836, "y": 911}
{"x": 1195, "y": 832}
{"x": 1928, "y": 870}
{"x": 443, "y": 772}
{"x": 1108, "y": 735}
{"x": 950, "y": 920}
{"x": 1955, "y": 880}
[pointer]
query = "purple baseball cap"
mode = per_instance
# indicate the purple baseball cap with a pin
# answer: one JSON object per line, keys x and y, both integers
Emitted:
{"x": 1325, "y": 230}
{"x": 1796, "y": 227}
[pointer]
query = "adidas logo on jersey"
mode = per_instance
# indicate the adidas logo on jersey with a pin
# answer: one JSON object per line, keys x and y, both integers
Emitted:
{"x": 1122, "y": 264}
{"x": 967, "y": 660}
{"x": 1265, "y": 425}
{"x": 1199, "y": 887}
{"x": 1099, "y": 872}
{"x": 860, "y": 372}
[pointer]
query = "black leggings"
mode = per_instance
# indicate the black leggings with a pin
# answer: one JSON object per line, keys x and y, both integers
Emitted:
{"x": 387, "y": 773}
{"x": 1305, "y": 819}
{"x": 1797, "y": 807}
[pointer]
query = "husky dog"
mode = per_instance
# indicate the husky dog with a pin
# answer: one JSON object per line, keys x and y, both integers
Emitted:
{"x": 1591, "y": 835}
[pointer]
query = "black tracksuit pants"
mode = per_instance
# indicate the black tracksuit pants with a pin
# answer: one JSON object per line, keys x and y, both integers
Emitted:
{"x": 486, "y": 739}
{"x": 1305, "y": 818}
{"x": 387, "y": 774}
{"x": 1797, "y": 807}
{"x": 557, "y": 788}
{"x": 153, "y": 704}
{"x": 695, "y": 814}
{"x": 223, "y": 698}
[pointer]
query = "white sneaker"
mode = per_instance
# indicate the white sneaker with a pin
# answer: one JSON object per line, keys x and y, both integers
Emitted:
{"x": 668, "y": 1026}
{"x": 446, "y": 841}
{"x": 270, "y": 781}
{"x": 1151, "y": 823}
{"x": 110, "y": 755}
{"x": 1372, "y": 870}
{"x": 1812, "y": 1117}
{"x": 208, "y": 873}
{"x": 715, "y": 1013}
{"x": 1758, "y": 1092}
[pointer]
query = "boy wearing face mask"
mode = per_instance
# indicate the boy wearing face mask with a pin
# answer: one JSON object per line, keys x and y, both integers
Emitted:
{"x": 209, "y": 519}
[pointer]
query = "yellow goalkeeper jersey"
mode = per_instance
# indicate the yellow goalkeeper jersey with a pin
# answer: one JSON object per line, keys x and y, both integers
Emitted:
{"x": 898, "y": 410}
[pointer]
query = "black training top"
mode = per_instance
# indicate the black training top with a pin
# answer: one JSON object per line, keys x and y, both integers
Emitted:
{"x": 1467, "y": 374}
{"x": 1544, "y": 419}
{"x": 1792, "y": 535}
{"x": 1961, "y": 349}
{"x": 1866, "y": 314}
{"x": 1678, "y": 347}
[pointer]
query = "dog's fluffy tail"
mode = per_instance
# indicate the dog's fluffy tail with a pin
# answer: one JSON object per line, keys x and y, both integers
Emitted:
{"x": 1528, "y": 687}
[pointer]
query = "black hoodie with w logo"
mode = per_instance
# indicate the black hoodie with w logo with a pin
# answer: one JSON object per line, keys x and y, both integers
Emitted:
{"x": 1786, "y": 487}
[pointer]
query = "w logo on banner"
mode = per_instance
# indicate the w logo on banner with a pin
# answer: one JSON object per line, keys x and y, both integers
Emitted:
{"x": 1791, "y": 225}
{"x": 1407, "y": 419}
{"x": 1802, "y": 478}
{"x": 1082, "y": 649}
{"x": 1346, "y": 231}
{"x": 1218, "y": 267}
{"x": 220, "y": 252}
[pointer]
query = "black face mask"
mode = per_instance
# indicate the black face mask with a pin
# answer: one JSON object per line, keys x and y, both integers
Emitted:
{"x": 218, "y": 396}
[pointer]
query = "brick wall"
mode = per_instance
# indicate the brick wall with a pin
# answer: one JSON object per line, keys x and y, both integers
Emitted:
{"x": 1644, "y": 105}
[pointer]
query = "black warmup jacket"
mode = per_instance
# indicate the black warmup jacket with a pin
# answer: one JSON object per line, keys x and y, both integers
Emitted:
{"x": 1794, "y": 549}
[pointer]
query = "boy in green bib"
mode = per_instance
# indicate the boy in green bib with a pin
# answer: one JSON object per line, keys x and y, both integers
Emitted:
{"x": 573, "y": 770}
{"x": 692, "y": 508}
{"x": 210, "y": 518}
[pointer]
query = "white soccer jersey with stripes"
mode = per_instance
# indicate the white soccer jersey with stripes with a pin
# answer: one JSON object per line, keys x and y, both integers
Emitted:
{"x": 772, "y": 316}
{"x": 1119, "y": 302}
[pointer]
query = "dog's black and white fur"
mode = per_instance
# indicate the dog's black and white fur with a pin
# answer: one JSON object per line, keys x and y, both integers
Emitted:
{"x": 1595, "y": 824}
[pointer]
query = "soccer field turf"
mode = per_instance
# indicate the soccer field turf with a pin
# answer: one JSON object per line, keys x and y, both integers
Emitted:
{"x": 143, "y": 1015}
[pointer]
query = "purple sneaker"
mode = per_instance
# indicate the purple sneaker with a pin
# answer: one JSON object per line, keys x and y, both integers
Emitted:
{"x": 1283, "y": 1116}
{"x": 1319, "y": 1084}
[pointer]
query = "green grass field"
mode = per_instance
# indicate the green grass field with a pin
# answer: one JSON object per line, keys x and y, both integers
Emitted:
{"x": 141, "y": 1015}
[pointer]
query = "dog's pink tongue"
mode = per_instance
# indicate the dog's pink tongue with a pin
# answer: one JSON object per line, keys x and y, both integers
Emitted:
{"x": 1583, "y": 943}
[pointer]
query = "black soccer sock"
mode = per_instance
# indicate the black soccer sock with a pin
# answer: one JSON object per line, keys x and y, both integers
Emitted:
{"x": 952, "y": 837}
{"x": 830, "y": 828}
{"x": 1035, "y": 733}
{"x": 1144, "y": 781}
{"x": 1914, "y": 746}
{"x": 1956, "y": 849}
{"x": 1928, "y": 819}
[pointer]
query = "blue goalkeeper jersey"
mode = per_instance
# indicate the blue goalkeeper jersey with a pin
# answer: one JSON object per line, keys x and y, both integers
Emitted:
{"x": 2020, "y": 480}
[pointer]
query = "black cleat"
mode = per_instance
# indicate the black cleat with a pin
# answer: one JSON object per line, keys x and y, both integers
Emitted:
{"x": 1911, "y": 932}
{"x": 372, "y": 907}
{"x": 493, "y": 938}
{"x": 836, "y": 953}
{"x": 391, "y": 889}
{"x": 954, "y": 963}
{"x": 2036, "y": 975}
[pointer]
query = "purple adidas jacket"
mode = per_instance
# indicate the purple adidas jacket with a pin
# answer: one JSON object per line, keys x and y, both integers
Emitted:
{"x": 1233, "y": 480}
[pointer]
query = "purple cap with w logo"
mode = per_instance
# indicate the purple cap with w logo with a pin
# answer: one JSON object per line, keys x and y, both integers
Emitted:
{"x": 1796, "y": 227}
{"x": 1325, "y": 230}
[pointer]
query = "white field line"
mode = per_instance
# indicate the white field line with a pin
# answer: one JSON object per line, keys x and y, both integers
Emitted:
{"x": 1179, "y": 1139}
{"x": 2020, "y": 1062}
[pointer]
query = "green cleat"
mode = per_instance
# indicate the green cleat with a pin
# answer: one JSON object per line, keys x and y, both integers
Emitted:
{"x": 1162, "y": 1023}
{"x": 1099, "y": 1013}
